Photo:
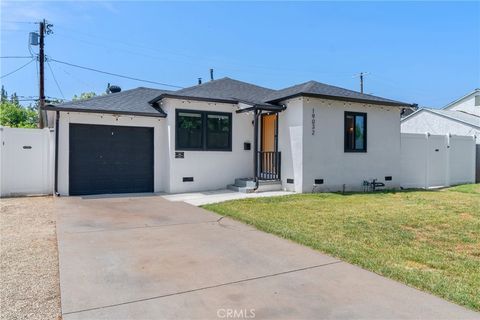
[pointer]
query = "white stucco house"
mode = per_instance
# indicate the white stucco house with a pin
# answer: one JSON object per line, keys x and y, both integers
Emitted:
{"x": 310, "y": 136}
{"x": 460, "y": 117}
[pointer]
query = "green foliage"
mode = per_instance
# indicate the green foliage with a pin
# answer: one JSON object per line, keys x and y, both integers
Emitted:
{"x": 84, "y": 96}
{"x": 4, "y": 94}
{"x": 12, "y": 114}
{"x": 427, "y": 239}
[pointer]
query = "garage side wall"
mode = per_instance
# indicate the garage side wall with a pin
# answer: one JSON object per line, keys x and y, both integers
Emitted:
{"x": 107, "y": 119}
{"x": 323, "y": 144}
{"x": 210, "y": 170}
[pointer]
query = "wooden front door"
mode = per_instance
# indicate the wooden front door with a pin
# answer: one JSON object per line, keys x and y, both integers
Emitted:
{"x": 269, "y": 121}
{"x": 268, "y": 156}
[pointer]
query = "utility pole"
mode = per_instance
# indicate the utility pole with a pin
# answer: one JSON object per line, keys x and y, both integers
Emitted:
{"x": 41, "y": 57}
{"x": 44, "y": 30}
{"x": 361, "y": 82}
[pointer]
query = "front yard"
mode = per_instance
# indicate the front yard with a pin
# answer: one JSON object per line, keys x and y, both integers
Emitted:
{"x": 426, "y": 239}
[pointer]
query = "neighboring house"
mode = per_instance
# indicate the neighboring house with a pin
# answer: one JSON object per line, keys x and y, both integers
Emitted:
{"x": 310, "y": 136}
{"x": 461, "y": 117}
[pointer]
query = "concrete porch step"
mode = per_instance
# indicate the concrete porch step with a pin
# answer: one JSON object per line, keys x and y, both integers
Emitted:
{"x": 240, "y": 188}
{"x": 247, "y": 185}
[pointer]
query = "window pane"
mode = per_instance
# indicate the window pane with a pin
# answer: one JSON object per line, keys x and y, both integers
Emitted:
{"x": 349, "y": 134}
{"x": 359, "y": 132}
{"x": 218, "y": 132}
{"x": 189, "y": 132}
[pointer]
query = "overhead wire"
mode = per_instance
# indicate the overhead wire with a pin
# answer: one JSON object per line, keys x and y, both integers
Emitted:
{"x": 12, "y": 72}
{"x": 115, "y": 74}
{"x": 55, "y": 79}
{"x": 16, "y": 57}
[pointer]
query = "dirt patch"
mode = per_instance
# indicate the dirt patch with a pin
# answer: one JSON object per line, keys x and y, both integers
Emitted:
{"x": 29, "y": 282}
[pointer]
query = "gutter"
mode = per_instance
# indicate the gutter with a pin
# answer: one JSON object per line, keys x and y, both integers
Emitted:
{"x": 57, "y": 127}
{"x": 126, "y": 113}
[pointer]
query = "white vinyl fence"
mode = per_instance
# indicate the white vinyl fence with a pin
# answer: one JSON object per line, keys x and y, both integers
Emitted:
{"x": 429, "y": 161}
{"x": 26, "y": 161}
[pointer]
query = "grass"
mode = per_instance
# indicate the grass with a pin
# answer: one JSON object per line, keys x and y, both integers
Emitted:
{"x": 426, "y": 239}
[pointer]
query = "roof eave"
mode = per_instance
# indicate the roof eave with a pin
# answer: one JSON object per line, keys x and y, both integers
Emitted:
{"x": 315, "y": 95}
{"x": 51, "y": 107}
{"x": 181, "y": 97}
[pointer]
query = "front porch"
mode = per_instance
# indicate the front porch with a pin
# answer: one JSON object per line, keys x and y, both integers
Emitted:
{"x": 267, "y": 159}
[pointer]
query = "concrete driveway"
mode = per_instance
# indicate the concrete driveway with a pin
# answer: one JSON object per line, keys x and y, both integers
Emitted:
{"x": 144, "y": 257}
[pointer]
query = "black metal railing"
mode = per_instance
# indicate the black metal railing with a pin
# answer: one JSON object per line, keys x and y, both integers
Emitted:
{"x": 268, "y": 165}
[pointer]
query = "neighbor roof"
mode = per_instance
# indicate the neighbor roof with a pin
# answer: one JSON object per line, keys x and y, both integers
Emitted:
{"x": 317, "y": 89}
{"x": 451, "y": 104}
{"x": 460, "y": 116}
{"x": 134, "y": 102}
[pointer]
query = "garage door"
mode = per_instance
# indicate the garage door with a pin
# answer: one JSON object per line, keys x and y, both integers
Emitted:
{"x": 110, "y": 159}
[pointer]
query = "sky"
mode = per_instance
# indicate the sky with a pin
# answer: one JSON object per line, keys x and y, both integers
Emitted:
{"x": 416, "y": 52}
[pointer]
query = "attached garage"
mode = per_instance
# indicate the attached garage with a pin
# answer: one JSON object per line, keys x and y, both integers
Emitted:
{"x": 110, "y": 159}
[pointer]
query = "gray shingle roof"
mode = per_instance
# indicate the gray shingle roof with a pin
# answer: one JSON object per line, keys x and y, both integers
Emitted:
{"x": 461, "y": 116}
{"x": 134, "y": 101}
{"x": 143, "y": 101}
{"x": 314, "y": 88}
{"x": 226, "y": 89}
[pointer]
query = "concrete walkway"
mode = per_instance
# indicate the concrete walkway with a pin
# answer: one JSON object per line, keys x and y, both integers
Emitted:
{"x": 207, "y": 197}
{"x": 148, "y": 258}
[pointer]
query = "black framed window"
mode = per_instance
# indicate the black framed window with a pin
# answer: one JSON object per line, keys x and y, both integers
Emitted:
{"x": 189, "y": 130}
{"x": 202, "y": 130}
{"x": 355, "y": 132}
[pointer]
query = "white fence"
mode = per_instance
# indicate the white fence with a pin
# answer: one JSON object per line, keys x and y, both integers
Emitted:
{"x": 26, "y": 161}
{"x": 429, "y": 161}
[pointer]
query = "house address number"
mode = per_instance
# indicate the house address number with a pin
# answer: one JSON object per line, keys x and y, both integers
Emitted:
{"x": 313, "y": 121}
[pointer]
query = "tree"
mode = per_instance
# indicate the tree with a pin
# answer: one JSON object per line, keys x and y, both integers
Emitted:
{"x": 84, "y": 95}
{"x": 14, "y": 98}
{"x": 4, "y": 94}
{"x": 14, "y": 115}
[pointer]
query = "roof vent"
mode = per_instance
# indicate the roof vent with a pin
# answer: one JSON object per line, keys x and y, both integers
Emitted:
{"x": 113, "y": 88}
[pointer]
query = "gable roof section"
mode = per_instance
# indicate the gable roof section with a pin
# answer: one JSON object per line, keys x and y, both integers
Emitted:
{"x": 144, "y": 101}
{"x": 321, "y": 90}
{"x": 223, "y": 90}
{"x": 459, "y": 116}
{"x": 132, "y": 102}
{"x": 453, "y": 103}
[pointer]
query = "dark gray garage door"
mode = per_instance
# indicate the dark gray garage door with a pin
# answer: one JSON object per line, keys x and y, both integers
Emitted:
{"x": 110, "y": 159}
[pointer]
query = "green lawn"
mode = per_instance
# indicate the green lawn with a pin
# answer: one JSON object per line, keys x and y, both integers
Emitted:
{"x": 426, "y": 239}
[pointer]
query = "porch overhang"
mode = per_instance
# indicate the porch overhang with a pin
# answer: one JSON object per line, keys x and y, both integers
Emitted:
{"x": 262, "y": 107}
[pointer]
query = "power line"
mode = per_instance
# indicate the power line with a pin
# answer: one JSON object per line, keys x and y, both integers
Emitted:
{"x": 27, "y": 22}
{"x": 26, "y": 64}
{"x": 115, "y": 74}
{"x": 15, "y": 57}
{"x": 55, "y": 79}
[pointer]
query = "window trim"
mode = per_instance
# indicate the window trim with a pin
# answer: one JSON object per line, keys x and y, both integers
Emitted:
{"x": 354, "y": 114}
{"x": 204, "y": 129}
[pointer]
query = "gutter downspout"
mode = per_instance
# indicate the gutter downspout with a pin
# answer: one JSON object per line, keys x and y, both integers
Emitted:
{"x": 255, "y": 147}
{"x": 57, "y": 127}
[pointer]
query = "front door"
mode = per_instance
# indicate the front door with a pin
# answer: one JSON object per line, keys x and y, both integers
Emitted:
{"x": 269, "y": 122}
{"x": 268, "y": 156}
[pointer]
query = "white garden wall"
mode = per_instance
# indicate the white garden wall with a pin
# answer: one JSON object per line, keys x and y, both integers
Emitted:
{"x": 26, "y": 161}
{"x": 429, "y": 161}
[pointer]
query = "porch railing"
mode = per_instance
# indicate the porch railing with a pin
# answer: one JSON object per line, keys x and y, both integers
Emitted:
{"x": 269, "y": 165}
